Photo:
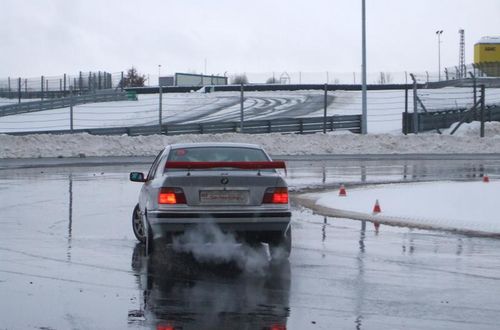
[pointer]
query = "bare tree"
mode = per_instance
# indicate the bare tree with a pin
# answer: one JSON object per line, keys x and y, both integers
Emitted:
{"x": 385, "y": 78}
{"x": 272, "y": 80}
{"x": 239, "y": 79}
{"x": 133, "y": 79}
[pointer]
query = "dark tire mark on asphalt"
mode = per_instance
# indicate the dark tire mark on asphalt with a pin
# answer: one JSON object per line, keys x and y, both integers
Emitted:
{"x": 311, "y": 104}
{"x": 256, "y": 108}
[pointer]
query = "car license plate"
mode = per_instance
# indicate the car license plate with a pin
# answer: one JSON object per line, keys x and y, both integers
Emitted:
{"x": 224, "y": 197}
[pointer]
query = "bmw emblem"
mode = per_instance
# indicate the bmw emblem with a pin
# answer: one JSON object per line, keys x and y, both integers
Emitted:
{"x": 224, "y": 180}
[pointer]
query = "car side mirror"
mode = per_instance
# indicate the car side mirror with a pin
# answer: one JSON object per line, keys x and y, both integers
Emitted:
{"x": 137, "y": 177}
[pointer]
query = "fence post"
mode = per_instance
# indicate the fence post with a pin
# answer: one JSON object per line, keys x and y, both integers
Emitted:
{"x": 41, "y": 88}
{"x": 47, "y": 87}
{"x": 80, "y": 82}
{"x": 324, "y": 108}
{"x": 474, "y": 91}
{"x": 415, "y": 104}
{"x": 8, "y": 82}
{"x": 405, "y": 124}
{"x": 160, "y": 109}
{"x": 122, "y": 82}
{"x": 19, "y": 90}
{"x": 71, "y": 108}
{"x": 482, "y": 111}
{"x": 242, "y": 100}
{"x": 64, "y": 84}
{"x": 26, "y": 86}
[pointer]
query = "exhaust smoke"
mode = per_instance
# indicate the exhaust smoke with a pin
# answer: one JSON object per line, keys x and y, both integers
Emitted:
{"x": 207, "y": 243}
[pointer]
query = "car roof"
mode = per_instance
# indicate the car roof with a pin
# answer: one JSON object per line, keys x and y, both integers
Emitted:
{"x": 214, "y": 144}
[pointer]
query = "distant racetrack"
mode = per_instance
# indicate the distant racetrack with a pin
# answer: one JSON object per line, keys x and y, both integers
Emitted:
{"x": 255, "y": 107}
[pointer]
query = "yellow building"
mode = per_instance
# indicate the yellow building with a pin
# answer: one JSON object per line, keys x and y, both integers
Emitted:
{"x": 487, "y": 50}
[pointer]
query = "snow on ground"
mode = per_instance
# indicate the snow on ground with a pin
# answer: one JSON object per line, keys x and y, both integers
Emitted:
{"x": 384, "y": 124}
{"x": 73, "y": 145}
{"x": 384, "y": 108}
{"x": 469, "y": 207}
{"x": 144, "y": 111}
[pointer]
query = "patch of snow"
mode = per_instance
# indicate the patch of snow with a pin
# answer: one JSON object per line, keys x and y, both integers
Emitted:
{"x": 72, "y": 145}
{"x": 462, "y": 206}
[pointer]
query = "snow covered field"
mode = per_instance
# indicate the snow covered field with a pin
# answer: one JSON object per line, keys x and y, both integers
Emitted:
{"x": 384, "y": 124}
{"x": 384, "y": 115}
{"x": 469, "y": 207}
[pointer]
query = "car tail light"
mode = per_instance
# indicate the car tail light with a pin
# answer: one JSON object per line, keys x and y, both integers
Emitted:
{"x": 164, "y": 327}
{"x": 277, "y": 195}
{"x": 171, "y": 196}
{"x": 278, "y": 327}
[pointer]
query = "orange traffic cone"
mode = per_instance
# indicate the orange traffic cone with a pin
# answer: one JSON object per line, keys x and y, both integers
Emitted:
{"x": 376, "y": 207}
{"x": 342, "y": 191}
{"x": 486, "y": 178}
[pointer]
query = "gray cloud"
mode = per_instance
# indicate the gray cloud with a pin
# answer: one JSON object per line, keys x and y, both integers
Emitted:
{"x": 52, "y": 37}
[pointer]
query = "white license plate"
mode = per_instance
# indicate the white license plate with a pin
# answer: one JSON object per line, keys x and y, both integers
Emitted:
{"x": 224, "y": 197}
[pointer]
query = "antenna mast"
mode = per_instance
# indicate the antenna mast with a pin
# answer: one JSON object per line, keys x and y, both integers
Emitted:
{"x": 461, "y": 59}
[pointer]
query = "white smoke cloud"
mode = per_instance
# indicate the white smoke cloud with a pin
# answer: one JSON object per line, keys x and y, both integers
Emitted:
{"x": 207, "y": 243}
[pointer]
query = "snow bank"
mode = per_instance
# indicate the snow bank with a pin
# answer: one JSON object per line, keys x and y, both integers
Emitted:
{"x": 466, "y": 140}
{"x": 461, "y": 206}
{"x": 46, "y": 145}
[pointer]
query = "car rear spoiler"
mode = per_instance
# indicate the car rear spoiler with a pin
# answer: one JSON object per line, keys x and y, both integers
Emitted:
{"x": 241, "y": 165}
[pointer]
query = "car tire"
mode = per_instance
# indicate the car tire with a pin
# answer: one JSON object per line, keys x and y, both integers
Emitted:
{"x": 281, "y": 247}
{"x": 138, "y": 225}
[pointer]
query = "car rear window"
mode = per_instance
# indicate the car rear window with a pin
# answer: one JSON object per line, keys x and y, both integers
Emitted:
{"x": 217, "y": 154}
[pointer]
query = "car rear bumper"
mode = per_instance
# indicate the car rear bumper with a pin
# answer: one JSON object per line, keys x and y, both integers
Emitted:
{"x": 167, "y": 223}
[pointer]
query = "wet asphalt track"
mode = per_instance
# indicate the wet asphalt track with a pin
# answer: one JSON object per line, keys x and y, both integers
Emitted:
{"x": 68, "y": 260}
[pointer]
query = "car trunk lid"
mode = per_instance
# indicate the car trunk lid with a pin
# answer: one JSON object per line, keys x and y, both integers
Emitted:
{"x": 220, "y": 187}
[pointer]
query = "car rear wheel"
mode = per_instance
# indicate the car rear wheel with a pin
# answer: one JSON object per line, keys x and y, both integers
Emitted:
{"x": 281, "y": 247}
{"x": 138, "y": 225}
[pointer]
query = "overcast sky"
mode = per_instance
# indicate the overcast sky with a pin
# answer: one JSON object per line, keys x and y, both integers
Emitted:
{"x": 53, "y": 37}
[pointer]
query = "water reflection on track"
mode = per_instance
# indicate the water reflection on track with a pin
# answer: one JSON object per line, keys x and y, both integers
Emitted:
{"x": 331, "y": 172}
{"x": 182, "y": 293}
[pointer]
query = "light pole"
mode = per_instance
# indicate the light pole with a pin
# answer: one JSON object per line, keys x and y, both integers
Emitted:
{"x": 159, "y": 73}
{"x": 439, "y": 33}
{"x": 364, "y": 120}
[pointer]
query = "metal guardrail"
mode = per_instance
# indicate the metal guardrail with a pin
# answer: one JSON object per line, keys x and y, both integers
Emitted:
{"x": 64, "y": 102}
{"x": 428, "y": 121}
{"x": 282, "y": 125}
{"x": 269, "y": 87}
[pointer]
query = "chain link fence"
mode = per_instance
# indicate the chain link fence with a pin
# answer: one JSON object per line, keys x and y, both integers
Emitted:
{"x": 58, "y": 86}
